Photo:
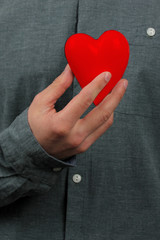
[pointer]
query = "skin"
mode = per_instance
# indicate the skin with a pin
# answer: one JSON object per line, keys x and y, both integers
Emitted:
{"x": 63, "y": 134}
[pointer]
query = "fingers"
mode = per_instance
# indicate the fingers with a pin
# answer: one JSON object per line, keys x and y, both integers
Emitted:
{"x": 55, "y": 90}
{"x": 100, "y": 114}
{"x": 95, "y": 135}
{"x": 80, "y": 103}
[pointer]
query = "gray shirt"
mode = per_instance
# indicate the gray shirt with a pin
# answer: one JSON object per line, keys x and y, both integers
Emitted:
{"x": 118, "y": 197}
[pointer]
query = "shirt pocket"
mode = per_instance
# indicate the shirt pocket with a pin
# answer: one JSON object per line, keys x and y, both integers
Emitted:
{"x": 142, "y": 96}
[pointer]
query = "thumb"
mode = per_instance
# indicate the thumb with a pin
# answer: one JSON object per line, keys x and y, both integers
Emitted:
{"x": 56, "y": 89}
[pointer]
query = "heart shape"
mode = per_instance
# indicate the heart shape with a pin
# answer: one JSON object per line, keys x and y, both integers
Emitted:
{"x": 88, "y": 57}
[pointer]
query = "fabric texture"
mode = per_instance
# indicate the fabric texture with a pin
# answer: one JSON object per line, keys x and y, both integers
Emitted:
{"x": 118, "y": 197}
{"x": 23, "y": 158}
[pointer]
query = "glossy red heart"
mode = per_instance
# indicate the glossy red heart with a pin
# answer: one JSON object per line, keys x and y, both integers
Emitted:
{"x": 88, "y": 57}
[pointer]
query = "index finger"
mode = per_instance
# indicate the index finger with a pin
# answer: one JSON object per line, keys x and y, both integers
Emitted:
{"x": 80, "y": 103}
{"x": 99, "y": 115}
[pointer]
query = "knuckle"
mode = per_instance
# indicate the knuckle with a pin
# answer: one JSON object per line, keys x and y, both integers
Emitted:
{"x": 60, "y": 83}
{"x": 105, "y": 116}
{"x": 77, "y": 140}
{"x": 100, "y": 85}
{"x": 82, "y": 148}
{"x": 61, "y": 131}
{"x": 110, "y": 121}
{"x": 87, "y": 98}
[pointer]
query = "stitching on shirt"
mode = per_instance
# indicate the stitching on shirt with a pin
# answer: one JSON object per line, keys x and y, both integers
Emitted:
{"x": 139, "y": 115}
{"x": 77, "y": 16}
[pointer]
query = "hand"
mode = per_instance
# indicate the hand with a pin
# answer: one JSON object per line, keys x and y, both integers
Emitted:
{"x": 63, "y": 134}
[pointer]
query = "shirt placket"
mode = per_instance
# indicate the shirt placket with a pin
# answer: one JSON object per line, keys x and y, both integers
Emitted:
{"x": 75, "y": 191}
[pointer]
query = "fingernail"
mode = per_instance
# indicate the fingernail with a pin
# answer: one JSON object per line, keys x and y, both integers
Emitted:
{"x": 108, "y": 76}
{"x": 66, "y": 68}
{"x": 125, "y": 84}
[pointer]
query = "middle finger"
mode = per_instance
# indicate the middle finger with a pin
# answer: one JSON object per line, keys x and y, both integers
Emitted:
{"x": 100, "y": 114}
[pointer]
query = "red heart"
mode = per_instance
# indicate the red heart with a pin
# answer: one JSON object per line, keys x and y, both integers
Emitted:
{"x": 88, "y": 57}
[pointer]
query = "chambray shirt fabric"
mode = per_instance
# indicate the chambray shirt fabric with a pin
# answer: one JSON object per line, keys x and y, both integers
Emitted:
{"x": 118, "y": 197}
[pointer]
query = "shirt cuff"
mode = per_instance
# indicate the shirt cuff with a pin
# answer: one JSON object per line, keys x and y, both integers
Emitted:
{"x": 25, "y": 155}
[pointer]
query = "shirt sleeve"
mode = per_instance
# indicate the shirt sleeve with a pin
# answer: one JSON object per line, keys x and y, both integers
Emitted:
{"x": 25, "y": 167}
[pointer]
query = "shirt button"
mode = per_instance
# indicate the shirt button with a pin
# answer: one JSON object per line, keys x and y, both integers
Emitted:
{"x": 57, "y": 169}
{"x": 77, "y": 178}
{"x": 151, "y": 32}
